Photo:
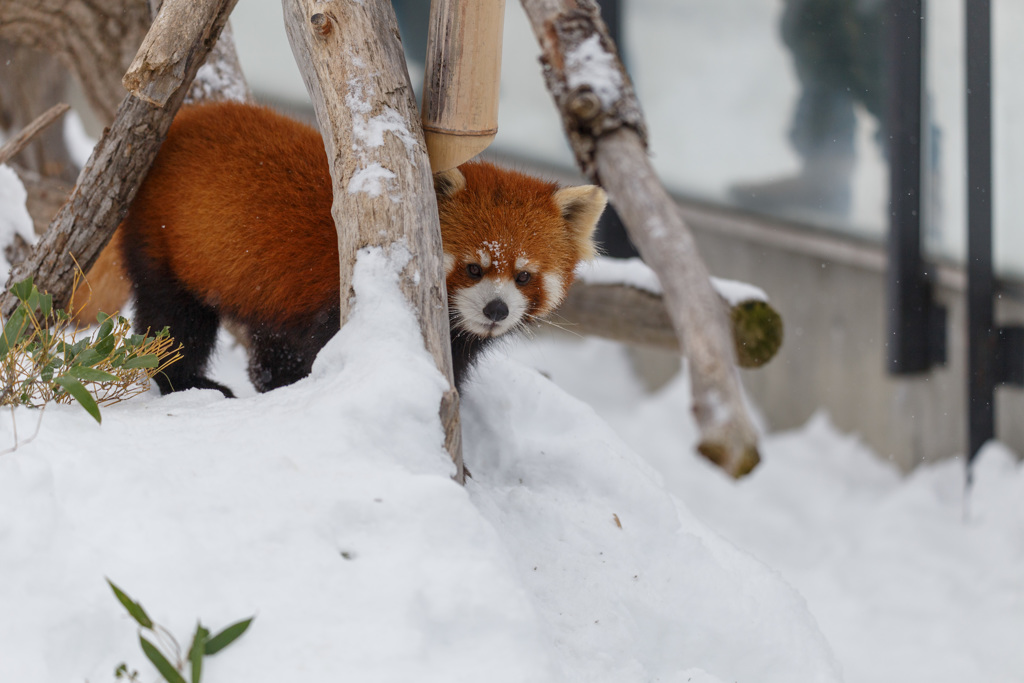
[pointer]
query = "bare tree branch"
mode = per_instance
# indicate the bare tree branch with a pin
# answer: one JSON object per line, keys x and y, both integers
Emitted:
{"x": 32, "y": 81}
{"x": 602, "y": 119}
{"x": 115, "y": 170}
{"x": 94, "y": 40}
{"x": 636, "y": 316}
{"x": 13, "y": 146}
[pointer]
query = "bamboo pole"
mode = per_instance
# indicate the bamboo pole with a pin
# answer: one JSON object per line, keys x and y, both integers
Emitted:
{"x": 463, "y": 72}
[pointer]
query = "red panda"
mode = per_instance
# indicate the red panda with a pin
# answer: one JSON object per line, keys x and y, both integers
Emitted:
{"x": 234, "y": 222}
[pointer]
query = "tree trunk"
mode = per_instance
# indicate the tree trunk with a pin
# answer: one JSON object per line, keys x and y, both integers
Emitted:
{"x": 602, "y": 119}
{"x": 94, "y": 40}
{"x": 354, "y": 69}
{"x": 31, "y": 82}
{"x": 118, "y": 164}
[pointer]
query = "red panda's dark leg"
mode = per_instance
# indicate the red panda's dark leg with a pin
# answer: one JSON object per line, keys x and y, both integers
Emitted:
{"x": 160, "y": 302}
{"x": 280, "y": 358}
{"x": 192, "y": 324}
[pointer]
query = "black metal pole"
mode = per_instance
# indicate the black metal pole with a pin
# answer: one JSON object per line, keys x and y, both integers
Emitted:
{"x": 909, "y": 291}
{"x": 982, "y": 338}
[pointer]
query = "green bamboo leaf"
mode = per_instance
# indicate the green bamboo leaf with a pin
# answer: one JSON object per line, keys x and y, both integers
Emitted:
{"x": 147, "y": 361}
{"x": 80, "y": 394}
{"x": 88, "y": 357}
{"x": 46, "y": 304}
{"x": 13, "y": 330}
{"x": 195, "y": 653}
{"x": 90, "y": 374}
{"x": 226, "y": 637}
{"x": 106, "y": 327}
{"x": 134, "y": 608}
{"x": 23, "y": 289}
{"x": 165, "y": 668}
{"x": 105, "y": 345}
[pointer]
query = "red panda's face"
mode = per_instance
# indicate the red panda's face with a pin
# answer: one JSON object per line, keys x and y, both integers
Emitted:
{"x": 511, "y": 244}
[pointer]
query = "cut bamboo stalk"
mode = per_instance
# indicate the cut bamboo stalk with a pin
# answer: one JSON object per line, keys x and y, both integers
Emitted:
{"x": 463, "y": 72}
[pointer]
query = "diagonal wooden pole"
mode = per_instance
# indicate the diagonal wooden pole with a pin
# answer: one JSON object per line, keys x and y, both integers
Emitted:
{"x": 602, "y": 119}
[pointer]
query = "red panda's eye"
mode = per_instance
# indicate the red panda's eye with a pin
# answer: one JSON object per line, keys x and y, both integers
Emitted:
{"x": 523, "y": 278}
{"x": 474, "y": 271}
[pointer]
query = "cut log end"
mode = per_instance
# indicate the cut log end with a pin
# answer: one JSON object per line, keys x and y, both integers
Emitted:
{"x": 736, "y": 465}
{"x": 757, "y": 333}
{"x": 448, "y": 150}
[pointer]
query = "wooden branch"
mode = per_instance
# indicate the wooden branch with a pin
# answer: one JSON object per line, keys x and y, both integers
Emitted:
{"x": 602, "y": 119}
{"x": 94, "y": 40}
{"x": 112, "y": 176}
{"x": 13, "y": 146}
{"x": 636, "y": 316}
{"x": 33, "y": 82}
{"x": 352, "y": 64}
{"x": 159, "y": 69}
{"x": 461, "y": 79}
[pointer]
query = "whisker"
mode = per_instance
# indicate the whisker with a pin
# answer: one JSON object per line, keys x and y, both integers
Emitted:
{"x": 561, "y": 327}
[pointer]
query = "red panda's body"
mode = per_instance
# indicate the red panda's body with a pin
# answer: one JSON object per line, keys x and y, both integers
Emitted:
{"x": 234, "y": 221}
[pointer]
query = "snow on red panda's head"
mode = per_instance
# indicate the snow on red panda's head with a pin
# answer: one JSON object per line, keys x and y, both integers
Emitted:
{"x": 511, "y": 244}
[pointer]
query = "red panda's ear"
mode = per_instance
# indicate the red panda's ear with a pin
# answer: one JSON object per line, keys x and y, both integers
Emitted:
{"x": 581, "y": 207}
{"x": 447, "y": 183}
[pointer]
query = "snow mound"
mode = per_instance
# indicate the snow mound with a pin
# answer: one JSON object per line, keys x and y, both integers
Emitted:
{"x": 326, "y": 509}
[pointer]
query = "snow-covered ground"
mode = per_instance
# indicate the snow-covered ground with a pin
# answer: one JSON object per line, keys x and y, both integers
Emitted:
{"x": 591, "y": 544}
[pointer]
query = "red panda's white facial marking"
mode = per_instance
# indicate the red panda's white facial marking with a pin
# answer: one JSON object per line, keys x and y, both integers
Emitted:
{"x": 512, "y": 243}
{"x": 554, "y": 290}
{"x": 491, "y": 307}
{"x": 501, "y": 291}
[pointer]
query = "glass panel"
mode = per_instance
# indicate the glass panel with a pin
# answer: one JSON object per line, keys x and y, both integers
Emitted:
{"x": 1008, "y": 137}
{"x": 946, "y": 205}
{"x": 769, "y": 106}
{"x": 945, "y": 153}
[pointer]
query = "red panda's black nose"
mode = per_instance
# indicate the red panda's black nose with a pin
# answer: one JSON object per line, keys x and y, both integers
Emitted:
{"x": 496, "y": 310}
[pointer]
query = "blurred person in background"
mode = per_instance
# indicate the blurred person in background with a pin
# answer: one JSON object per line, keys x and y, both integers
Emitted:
{"x": 839, "y": 53}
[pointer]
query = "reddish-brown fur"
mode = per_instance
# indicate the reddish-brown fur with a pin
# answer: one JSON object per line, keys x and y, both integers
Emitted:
{"x": 517, "y": 213}
{"x": 234, "y": 220}
{"x": 238, "y": 207}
